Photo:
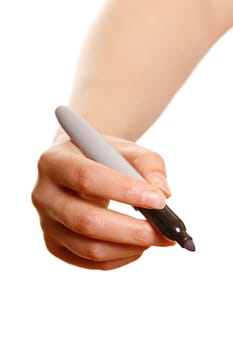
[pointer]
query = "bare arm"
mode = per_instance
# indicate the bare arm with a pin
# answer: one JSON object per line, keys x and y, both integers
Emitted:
{"x": 136, "y": 56}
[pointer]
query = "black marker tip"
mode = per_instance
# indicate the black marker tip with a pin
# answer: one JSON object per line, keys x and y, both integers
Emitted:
{"x": 189, "y": 245}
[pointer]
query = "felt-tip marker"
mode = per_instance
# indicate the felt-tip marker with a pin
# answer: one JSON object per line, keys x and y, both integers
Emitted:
{"x": 95, "y": 147}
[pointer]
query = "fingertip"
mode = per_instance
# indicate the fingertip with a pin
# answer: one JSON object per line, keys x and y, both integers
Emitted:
{"x": 152, "y": 199}
{"x": 162, "y": 241}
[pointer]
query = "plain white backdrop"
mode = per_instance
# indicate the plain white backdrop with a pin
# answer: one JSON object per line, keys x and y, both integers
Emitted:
{"x": 170, "y": 298}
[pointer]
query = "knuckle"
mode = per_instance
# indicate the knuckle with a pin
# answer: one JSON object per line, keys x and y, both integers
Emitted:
{"x": 95, "y": 252}
{"x": 127, "y": 191}
{"x": 140, "y": 237}
{"x": 35, "y": 197}
{"x": 85, "y": 223}
{"x": 37, "y": 194}
{"x": 44, "y": 161}
{"x": 84, "y": 179}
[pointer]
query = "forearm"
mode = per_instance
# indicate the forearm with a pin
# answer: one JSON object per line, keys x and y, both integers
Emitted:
{"x": 137, "y": 55}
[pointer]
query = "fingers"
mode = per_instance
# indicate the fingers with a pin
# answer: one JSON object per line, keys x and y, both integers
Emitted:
{"x": 66, "y": 255}
{"x": 74, "y": 171}
{"x": 89, "y": 220}
{"x": 90, "y": 249}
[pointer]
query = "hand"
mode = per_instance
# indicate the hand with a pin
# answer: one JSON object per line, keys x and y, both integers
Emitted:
{"x": 72, "y": 194}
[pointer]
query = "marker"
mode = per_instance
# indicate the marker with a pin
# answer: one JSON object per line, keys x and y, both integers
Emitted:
{"x": 95, "y": 147}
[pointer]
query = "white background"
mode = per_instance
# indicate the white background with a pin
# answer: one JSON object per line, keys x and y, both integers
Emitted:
{"x": 170, "y": 298}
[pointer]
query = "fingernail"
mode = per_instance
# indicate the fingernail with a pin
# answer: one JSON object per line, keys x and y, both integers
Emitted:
{"x": 160, "y": 180}
{"x": 153, "y": 200}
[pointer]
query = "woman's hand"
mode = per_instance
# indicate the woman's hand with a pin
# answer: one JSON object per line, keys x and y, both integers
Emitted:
{"x": 72, "y": 194}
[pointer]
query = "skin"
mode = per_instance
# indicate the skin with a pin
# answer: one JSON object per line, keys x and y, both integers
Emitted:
{"x": 128, "y": 70}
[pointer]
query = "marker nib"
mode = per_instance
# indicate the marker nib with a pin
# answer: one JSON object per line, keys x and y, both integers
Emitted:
{"x": 189, "y": 245}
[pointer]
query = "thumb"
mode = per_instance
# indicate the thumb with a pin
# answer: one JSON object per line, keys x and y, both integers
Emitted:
{"x": 150, "y": 165}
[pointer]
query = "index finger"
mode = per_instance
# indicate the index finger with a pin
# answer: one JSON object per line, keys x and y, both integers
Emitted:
{"x": 73, "y": 170}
